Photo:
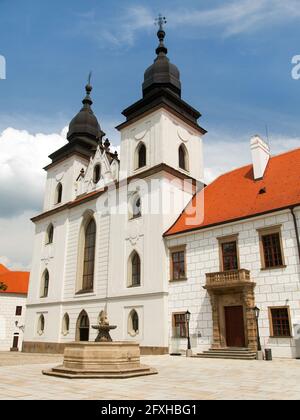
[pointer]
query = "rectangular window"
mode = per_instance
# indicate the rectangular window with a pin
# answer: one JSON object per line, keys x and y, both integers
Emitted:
{"x": 229, "y": 256}
{"x": 178, "y": 266}
{"x": 179, "y": 325}
{"x": 18, "y": 310}
{"x": 271, "y": 249}
{"x": 280, "y": 322}
{"x": 228, "y": 251}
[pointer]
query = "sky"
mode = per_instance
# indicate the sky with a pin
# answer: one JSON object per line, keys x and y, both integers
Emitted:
{"x": 235, "y": 59}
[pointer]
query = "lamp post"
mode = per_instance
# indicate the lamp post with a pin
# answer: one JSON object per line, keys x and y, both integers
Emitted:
{"x": 187, "y": 318}
{"x": 256, "y": 312}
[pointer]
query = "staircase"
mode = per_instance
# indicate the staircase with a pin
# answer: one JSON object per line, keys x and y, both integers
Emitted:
{"x": 228, "y": 353}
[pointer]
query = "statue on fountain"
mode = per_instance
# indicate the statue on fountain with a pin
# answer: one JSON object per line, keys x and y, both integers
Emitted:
{"x": 103, "y": 329}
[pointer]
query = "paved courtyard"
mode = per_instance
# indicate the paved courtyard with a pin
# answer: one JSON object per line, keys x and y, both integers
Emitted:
{"x": 178, "y": 378}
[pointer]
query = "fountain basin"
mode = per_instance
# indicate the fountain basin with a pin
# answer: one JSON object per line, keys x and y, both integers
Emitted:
{"x": 117, "y": 359}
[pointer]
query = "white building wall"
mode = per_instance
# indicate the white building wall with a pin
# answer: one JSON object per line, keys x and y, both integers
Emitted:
{"x": 8, "y": 319}
{"x": 162, "y": 133}
{"x": 66, "y": 172}
{"x": 276, "y": 287}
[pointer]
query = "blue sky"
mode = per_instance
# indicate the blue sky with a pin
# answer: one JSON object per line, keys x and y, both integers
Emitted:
{"x": 235, "y": 62}
{"x": 234, "y": 57}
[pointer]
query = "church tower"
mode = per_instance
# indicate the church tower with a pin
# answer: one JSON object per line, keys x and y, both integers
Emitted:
{"x": 161, "y": 128}
{"x": 83, "y": 137}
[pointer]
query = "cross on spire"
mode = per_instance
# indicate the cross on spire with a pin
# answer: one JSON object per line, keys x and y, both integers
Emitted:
{"x": 160, "y": 21}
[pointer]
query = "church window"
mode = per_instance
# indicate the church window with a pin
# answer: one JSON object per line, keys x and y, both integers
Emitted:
{"x": 136, "y": 207}
{"x": 66, "y": 324}
{"x": 41, "y": 325}
{"x": 97, "y": 173}
{"x": 83, "y": 327}
{"x": 89, "y": 256}
{"x": 58, "y": 193}
{"x": 45, "y": 284}
{"x": 49, "y": 234}
{"x": 133, "y": 323}
{"x": 141, "y": 156}
{"x": 183, "y": 157}
{"x": 134, "y": 270}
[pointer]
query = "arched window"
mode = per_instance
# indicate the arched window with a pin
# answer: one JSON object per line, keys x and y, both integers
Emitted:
{"x": 45, "y": 284}
{"x": 183, "y": 158}
{"x": 66, "y": 324}
{"x": 89, "y": 256}
{"x": 83, "y": 327}
{"x": 136, "y": 207}
{"x": 97, "y": 173}
{"x": 133, "y": 323}
{"x": 58, "y": 193}
{"x": 49, "y": 234}
{"x": 134, "y": 270}
{"x": 141, "y": 157}
{"x": 41, "y": 325}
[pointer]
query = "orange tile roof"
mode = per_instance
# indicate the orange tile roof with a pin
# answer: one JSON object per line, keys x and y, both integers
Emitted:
{"x": 236, "y": 195}
{"x": 16, "y": 281}
{"x": 3, "y": 269}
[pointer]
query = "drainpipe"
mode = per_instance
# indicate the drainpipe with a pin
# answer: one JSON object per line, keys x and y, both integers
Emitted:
{"x": 296, "y": 230}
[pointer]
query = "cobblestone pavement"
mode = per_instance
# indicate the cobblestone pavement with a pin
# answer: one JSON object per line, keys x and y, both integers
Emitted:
{"x": 178, "y": 378}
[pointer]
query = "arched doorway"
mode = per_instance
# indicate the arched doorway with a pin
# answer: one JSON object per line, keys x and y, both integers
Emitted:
{"x": 83, "y": 327}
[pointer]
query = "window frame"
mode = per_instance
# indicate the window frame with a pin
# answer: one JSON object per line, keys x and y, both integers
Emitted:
{"x": 182, "y": 147}
{"x": 137, "y": 166}
{"x": 95, "y": 169}
{"x": 270, "y": 231}
{"x": 45, "y": 281}
{"x": 130, "y": 283}
{"x": 130, "y": 327}
{"x": 175, "y": 250}
{"x": 58, "y": 193}
{"x": 270, "y": 308}
{"x": 49, "y": 238}
{"x": 226, "y": 240}
{"x": 19, "y": 310}
{"x": 174, "y": 314}
{"x": 135, "y": 197}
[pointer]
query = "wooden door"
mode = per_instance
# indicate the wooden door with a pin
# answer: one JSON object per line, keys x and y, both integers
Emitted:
{"x": 235, "y": 330}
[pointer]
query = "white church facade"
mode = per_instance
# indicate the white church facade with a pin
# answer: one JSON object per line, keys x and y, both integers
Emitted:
{"x": 113, "y": 236}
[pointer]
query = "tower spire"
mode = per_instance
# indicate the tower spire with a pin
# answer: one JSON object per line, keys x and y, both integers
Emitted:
{"x": 87, "y": 101}
{"x": 161, "y": 21}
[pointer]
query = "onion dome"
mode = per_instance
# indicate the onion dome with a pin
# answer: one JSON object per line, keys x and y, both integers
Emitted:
{"x": 162, "y": 73}
{"x": 85, "y": 122}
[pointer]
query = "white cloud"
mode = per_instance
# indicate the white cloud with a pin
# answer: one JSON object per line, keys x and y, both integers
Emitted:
{"x": 22, "y": 158}
{"x": 235, "y": 17}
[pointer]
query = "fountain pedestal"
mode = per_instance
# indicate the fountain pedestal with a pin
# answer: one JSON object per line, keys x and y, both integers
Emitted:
{"x": 101, "y": 359}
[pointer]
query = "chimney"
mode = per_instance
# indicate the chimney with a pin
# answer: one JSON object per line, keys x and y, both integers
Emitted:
{"x": 260, "y": 156}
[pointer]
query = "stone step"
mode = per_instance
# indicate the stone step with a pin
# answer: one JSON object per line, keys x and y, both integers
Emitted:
{"x": 228, "y": 353}
{"x": 224, "y": 357}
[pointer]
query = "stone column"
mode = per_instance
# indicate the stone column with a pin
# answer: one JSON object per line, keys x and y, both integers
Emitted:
{"x": 216, "y": 321}
{"x": 249, "y": 300}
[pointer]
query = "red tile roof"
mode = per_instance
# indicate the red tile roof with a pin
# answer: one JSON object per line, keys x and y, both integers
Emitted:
{"x": 236, "y": 195}
{"x": 16, "y": 281}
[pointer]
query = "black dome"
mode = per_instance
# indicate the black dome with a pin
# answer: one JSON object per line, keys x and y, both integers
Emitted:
{"x": 162, "y": 73}
{"x": 85, "y": 122}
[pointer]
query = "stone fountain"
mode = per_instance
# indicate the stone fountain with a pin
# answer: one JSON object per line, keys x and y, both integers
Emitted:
{"x": 102, "y": 359}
